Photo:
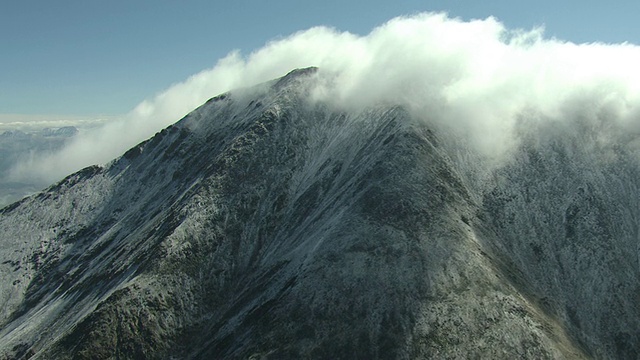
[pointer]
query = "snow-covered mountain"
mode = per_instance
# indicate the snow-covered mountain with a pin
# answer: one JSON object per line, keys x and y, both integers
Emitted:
{"x": 266, "y": 225}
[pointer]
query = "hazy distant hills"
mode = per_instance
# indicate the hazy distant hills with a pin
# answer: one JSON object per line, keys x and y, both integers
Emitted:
{"x": 22, "y": 146}
{"x": 267, "y": 225}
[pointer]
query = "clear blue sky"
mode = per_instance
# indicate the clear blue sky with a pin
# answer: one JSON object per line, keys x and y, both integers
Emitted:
{"x": 90, "y": 57}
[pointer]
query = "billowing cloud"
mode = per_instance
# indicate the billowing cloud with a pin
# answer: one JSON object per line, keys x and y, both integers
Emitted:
{"x": 475, "y": 76}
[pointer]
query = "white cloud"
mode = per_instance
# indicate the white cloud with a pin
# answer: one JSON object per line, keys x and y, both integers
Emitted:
{"x": 476, "y": 76}
{"x": 9, "y": 122}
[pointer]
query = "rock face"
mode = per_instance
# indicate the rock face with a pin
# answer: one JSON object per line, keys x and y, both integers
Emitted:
{"x": 266, "y": 226}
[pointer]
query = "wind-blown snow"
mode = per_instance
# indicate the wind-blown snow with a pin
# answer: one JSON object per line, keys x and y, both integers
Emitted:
{"x": 477, "y": 76}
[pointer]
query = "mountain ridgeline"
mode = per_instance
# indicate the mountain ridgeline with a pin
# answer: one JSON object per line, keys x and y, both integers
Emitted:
{"x": 266, "y": 225}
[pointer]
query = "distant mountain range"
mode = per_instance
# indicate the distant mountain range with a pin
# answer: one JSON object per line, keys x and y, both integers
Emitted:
{"x": 264, "y": 225}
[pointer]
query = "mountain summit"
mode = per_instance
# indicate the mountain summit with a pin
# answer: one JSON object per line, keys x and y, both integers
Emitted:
{"x": 266, "y": 224}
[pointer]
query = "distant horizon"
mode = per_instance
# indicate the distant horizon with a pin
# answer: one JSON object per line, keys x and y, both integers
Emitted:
{"x": 36, "y": 122}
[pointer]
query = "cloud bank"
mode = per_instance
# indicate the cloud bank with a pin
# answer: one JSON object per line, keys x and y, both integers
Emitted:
{"x": 475, "y": 76}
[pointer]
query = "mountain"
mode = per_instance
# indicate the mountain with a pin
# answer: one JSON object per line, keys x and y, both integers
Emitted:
{"x": 267, "y": 225}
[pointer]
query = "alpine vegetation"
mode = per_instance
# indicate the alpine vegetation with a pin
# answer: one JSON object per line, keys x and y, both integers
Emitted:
{"x": 435, "y": 189}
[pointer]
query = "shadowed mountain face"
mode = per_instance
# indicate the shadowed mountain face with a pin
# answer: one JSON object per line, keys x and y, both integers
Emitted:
{"x": 263, "y": 225}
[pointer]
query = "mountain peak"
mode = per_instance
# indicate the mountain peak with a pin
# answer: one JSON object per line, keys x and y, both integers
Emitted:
{"x": 295, "y": 75}
{"x": 261, "y": 227}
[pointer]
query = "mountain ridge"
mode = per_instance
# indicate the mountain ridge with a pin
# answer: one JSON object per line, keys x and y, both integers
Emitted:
{"x": 264, "y": 224}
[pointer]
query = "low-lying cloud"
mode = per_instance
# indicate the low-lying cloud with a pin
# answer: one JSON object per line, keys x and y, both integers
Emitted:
{"x": 475, "y": 76}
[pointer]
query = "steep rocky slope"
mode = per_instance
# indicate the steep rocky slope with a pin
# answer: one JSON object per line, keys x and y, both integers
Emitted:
{"x": 264, "y": 225}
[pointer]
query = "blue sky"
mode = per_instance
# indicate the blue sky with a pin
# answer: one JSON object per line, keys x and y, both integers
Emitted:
{"x": 92, "y": 58}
